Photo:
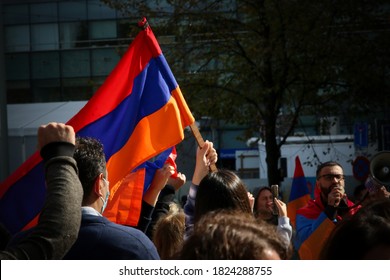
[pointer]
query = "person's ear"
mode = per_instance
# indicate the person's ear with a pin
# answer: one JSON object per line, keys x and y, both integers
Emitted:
{"x": 97, "y": 187}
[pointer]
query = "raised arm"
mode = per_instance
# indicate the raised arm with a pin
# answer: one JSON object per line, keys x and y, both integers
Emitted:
{"x": 60, "y": 218}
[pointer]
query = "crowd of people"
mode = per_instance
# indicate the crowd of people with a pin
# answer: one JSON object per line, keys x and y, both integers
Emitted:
{"x": 219, "y": 220}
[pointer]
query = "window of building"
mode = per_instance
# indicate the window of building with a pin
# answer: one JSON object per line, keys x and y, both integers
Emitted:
{"x": 17, "y": 38}
{"x": 104, "y": 61}
{"x": 17, "y": 66}
{"x": 73, "y": 10}
{"x": 19, "y": 92}
{"x": 75, "y": 64}
{"x": 46, "y": 90}
{"x": 15, "y": 14}
{"x": 102, "y": 30}
{"x": 127, "y": 29}
{"x": 76, "y": 89}
{"x": 98, "y": 10}
{"x": 44, "y": 12}
{"x": 44, "y": 37}
{"x": 45, "y": 65}
{"x": 73, "y": 35}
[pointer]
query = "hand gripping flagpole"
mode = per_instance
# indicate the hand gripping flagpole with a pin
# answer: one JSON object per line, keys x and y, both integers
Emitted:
{"x": 200, "y": 141}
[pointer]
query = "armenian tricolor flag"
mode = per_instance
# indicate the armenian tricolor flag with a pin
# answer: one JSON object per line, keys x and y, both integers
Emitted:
{"x": 138, "y": 113}
{"x": 299, "y": 195}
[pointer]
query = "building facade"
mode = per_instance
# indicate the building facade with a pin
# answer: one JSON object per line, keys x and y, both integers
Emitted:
{"x": 60, "y": 50}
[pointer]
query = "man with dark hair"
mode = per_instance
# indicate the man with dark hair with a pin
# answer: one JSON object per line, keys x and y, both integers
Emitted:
{"x": 100, "y": 238}
{"x": 317, "y": 219}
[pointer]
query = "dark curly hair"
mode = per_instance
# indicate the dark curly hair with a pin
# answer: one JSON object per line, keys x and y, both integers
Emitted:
{"x": 91, "y": 161}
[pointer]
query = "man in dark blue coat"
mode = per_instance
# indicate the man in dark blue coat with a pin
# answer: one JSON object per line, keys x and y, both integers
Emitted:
{"x": 100, "y": 238}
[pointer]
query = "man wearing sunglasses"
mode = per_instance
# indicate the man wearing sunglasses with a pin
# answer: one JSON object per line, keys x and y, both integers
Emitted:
{"x": 317, "y": 219}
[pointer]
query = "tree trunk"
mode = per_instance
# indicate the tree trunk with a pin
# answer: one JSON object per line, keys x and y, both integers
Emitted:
{"x": 272, "y": 154}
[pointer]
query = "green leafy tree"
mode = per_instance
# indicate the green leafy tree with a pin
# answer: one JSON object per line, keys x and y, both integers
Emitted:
{"x": 265, "y": 63}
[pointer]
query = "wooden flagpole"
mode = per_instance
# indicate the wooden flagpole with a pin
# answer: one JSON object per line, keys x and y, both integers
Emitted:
{"x": 200, "y": 141}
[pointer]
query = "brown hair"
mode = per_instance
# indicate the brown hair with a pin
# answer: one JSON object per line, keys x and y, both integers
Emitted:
{"x": 232, "y": 236}
{"x": 168, "y": 232}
